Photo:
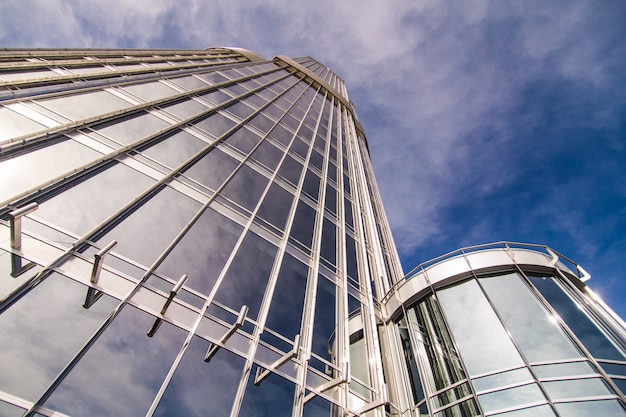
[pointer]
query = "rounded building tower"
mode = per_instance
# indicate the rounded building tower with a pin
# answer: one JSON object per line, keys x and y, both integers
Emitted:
{"x": 504, "y": 329}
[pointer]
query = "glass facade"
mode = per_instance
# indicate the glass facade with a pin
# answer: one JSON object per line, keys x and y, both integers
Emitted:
{"x": 200, "y": 232}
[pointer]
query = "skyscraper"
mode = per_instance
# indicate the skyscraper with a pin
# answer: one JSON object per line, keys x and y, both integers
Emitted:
{"x": 200, "y": 233}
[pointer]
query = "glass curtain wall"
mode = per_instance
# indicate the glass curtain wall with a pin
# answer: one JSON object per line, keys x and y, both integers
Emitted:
{"x": 183, "y": 233}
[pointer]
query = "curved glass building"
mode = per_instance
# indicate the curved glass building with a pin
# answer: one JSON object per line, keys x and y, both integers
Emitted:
{"x": 199, "y": 232}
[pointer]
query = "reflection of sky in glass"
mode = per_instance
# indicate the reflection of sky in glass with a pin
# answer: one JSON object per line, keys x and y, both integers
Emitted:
{"x": 167, "y": 212}
{"x": 511, "y": 397}
{"x": 582, "y": 326}
{"x": 82, "y": 207}
{"x": 203, "y": 251}
{"x": 285, "y": 313}
{"x": 82, "y": 106}
{"x": 57, "y": 326}
{"x": 199, "y": 388}
{"x": 532, "y": 328}
{"x": 133, "y": 129}
{"x": 559, "y": 390}
{"x": 272, "y": 398}
{"x": 317, "y": 407}
{"x": 591, "y": 409}
{"x": 324, "y": 325}
{"x": 175, "y": 149}
{"x": 483, "y": 342}
{"x": 122, "y": 371}
{"x": 14, "y": 124}
{"x": 246, "y": 279}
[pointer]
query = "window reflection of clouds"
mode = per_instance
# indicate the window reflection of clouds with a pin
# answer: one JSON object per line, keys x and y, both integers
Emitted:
{"x": 576, "y": 319}
{"x": 82, "y": 207}
{"x": 273, "y": 397}
{"x": 150, "y": 91}
{"x": 82, "y": 106}
{"x": 246, "y": 187}
{"x": 246, "y": 279}
{"x": 169, "y": 209}
{"x": 57, "y": 326}
{"x": 275, "y": 206}
{"x": 483, "y": 342}
{"x": 174, "y": 150}
{"x": 14, "y": 124}
{"x": 285, "y": 313}
{"x": 124, "y": 364}
{"x": 512, "y": 397}
{"x": 531, "y": 326}
{"x": 303, "y": 224}
{"x": 133, "y": 129}
{"x": 212, "y": 169}
{"x": 324, "y": 322}
{"x": 591, "y": 409}
{"x": 203, "y": 251}
{"x": 26, "y": 171}
{"x": 200, "y": 389}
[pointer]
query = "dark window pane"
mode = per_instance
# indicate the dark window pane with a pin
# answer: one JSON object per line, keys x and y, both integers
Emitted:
{"x": 246, "y": 187}
{"x": 246, "y": 279}
{"x": 244, "y": 140}
{"x": 216, "y": 124}
{"x": 276, "y": 206}
{"x": 303, "y": 224}
{"x": 268, "y": 154}
{"x": 202, "y": 253}
{"x": 185, "y": 109}
{"x": 281, "y": 134}
{"x": 212, "y": 169}
{"x": 273, "y": 397}
{"x": 329, "y": 238}
{"x": 299, "y": 148}
{"x": 285, "y": 312}
{"x": 331, "y": 199}
{"x": 290, "y": 170}
{"x": 123, "y": 364}
{"x": 311, "y": 185}
{"x": 324, "y": 324}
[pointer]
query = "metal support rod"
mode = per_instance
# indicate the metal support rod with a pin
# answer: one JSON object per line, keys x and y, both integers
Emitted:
{"x": 261, "y": 373}
{"x": 98, "y": 261}
{"x": 214, "y": 347}
{"x": 15, "y": 219}
{"x": 170, "y": 298}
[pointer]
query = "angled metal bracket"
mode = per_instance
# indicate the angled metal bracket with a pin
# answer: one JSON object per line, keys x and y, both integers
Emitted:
{"x": 170, "y": 298}
{"x": 15, "y": 220}
{"x": 94, "y": 295}
{"x": 384, "y": 400}
{"x": 582, "y": 274}
{"x": 344, "y": 378}
{"x": 262, "y": 373}
{"x": 214, "y": 347}
{"x": 555, "y": 257}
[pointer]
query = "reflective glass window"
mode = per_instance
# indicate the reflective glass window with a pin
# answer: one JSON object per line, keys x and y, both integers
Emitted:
{"x": 82, "y": 106}
{"x": 26, "y": 171}
{"x": 311, "y": 184}
{"x": 329, "y": 241}
{"x": 144, "y": 234}
{"x": 240, "y": 110}
{"x": 577, "y": 320}
{"x": 247, "y": 276}
{"x": 198, "y": 388}
{"x": 123, "y": 364}
{"x": 325, "y": 322}
{"x": 189, "y": 83}
{"x": 299, "y": 148}
{"x": 512, "y": 397}
{"x": 290, "y": 170}
{"x": 203, "y": 251}
{"x": 331, "y": 199}
{"x": 282, "y": 135}
{"x": 531, "y": 326}
{"x": 538, "y": 411}
{"x": 246, "y": 187}
{"x": 216, "y": 97}
{"x": 262, "y": 123}
{"x": 43, "y": 331}
{"x": 274, "y": 396}
{"x": 174, "y": 150}
{"x": 132, "y": 129}
{"x": 276, "y": 206}
{"x": 212, "y": 169}
{"x": 216, "y": 124}
{"x": 482, "y": 340}
{"x": 14, "y": 124}
{"x": 10, "y": 410}
{"x": 303, "y": 224}
{"x": 185, "y": 109}
{"x": 502, "y": 379}
{"x": 151, "y": 91}
{"x": 244, "y": 140}
{"x": 563, "y": 369}
{"x": 285, "y": 312}
{"x": 268, "y": 155}
{"x": 591, "y": 409}
{"x": 575, "y": 388}
{"x": 82, "y": 207}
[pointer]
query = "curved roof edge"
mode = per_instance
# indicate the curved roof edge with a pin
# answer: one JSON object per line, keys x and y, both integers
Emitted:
{"x": 285, "y": 60}
{"x": 252, "y": 56}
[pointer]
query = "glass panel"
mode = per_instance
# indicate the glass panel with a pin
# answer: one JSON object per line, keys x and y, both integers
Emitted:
{"x": 29, "y": 170}
{"x": 146, "y": 232}
{"x": 465, "y": 409}
{"x": 185, "y": 109}
{"x": 591, "y": 409}
{"x": 502, "y": 379}
{"x": 244, "y": 140}
{"x": 123, "y": 364}
{"x": 290, "y": 170}
{"x": 303, "y": 224}
{"x": 411, "y": 365}
{"x": 189, "y": 83}
{"x": 329, "y": 241}
{"x": 246, "y": 279}
{"x": 82, "y": 207}
{"x": 512, "y": 397}
{"x": 174, "y": 150}
{"x": 319, "y": 407}
{"x": 212, "y": 169}
{"x": 576, "y": 319}
{"x": 14, "y": 124}
{"x": 246, "y": 187}
{"x": 133, "y": 129}
{"x": 8, "y": 282}
{"x": 268, "y": 154}
{"x": 151, "y": 91}
{"x": 534, "y": 330}
{"x": 559, "y": 390}
{"x": 359, "y": 363}
{"x": 285, "y": 312}
{"x": 215, "y": 124}
{"x": 563, "y": 369}
{"x": 273, "y": 397}
{"x": 43, "y": 331}
{"x": 83, "y": 106}
{"x": 276, "y": 205}
{"x": 483, "y": 342}
{"x": 324, "y": 324}
{"x": 311, "y": 184}
{"x": 540, "y": 411}
{"x": 203, "y": 251}
{"x": 200, "y": 389}
{"x": 10, "y": 410}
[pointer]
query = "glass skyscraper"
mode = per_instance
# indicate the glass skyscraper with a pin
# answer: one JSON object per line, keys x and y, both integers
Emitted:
{"x": 199, "y": 232}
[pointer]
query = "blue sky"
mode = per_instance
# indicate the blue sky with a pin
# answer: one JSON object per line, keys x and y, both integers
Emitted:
{"x": 487, "y": 120}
